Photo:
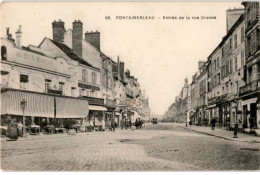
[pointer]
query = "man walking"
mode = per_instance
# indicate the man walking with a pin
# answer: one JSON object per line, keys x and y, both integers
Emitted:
{"x": 213, "y": 122}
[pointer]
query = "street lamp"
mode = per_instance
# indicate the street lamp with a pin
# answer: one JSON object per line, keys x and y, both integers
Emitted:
{"x": 23, "y": 104}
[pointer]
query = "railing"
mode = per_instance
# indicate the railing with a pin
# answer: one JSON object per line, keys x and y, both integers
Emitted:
{"x": 249, "y": 88}
{"x": 52, "y": 91}
{"x": 95, "y": 101}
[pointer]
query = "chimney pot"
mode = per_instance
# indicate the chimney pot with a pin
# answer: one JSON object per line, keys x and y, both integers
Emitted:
{"x": 58, "y": 31}
{"x": 77, "y": 36}
{"x": 19, "y": 37}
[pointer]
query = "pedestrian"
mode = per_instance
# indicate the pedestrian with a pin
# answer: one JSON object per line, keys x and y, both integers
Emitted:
{"x": 213, "y": 122}
{"x": 113, "y": 125}
{"x": 190, "y": 123}
{"x": 251, "y": 122}
{"x": 103, "y": 125}
{"x": 235, "y": 130}
{"x": 122, "y": 124}
{"x": 109, "y": 125}
{"x": 20, "y": 129}
{"x": 91, "y": 124}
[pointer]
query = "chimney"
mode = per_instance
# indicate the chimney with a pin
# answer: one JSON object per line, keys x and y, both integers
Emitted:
{"x": 232, "y": 16}
{"x": 200, "y": 64}
{"x": 58, "y": 31}
{"x": 77, "y": 35}
{"x": 19, "y": 37}
{"x": 118, "y": 68}
{"x": 122, "y": 70}
{"x": 93, "y": 38}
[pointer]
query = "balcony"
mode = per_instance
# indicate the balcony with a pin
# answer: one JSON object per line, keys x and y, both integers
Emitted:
{"x": 94, "y": 101}
{"x": 53, "y": 91}
{"x": 250, "y": 88}
{"x": 110, "y": 103}
{"x": 212, "y": 101}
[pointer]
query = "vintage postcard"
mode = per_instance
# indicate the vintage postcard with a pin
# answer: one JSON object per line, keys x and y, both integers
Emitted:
{"x": 130, "y": 86}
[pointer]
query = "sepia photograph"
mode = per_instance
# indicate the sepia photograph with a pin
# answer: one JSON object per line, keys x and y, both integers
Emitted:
{"x": 130, "y": 86}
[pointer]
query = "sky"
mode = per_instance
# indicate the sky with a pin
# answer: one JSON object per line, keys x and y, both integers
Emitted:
{"x": 159, "y": 53}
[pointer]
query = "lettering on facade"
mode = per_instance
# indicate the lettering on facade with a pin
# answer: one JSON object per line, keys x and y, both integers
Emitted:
{"x": 33, "y": 58}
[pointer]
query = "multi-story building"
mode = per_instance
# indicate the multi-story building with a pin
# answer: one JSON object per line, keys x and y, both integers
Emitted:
{"x": 181, "y": 103}
{"x": 225, "y": 73}
{"x": 63, "y": 77}
{"x": 250, "y": 93}
{"x": 214, "y": 86}
{"x": 201, "y": 84}
{"x": 88, "y": 48}
{"x": 46, "y": 82}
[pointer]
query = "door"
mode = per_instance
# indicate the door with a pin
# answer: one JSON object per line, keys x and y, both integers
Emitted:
{"x": 245, "y": 116}
{"x": 253, "y": 113}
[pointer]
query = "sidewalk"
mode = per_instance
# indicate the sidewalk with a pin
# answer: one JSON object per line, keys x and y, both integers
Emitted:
{"x": 221, "y": 133}
{"x": 60, "y": 135}
{"x": 48, "y": 136}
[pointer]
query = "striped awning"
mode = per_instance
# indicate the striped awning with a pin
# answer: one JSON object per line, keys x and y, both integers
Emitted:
{"x": 97, "y": 108}
{"x": 71, "y": 107}
{"x": 41, "y": 105}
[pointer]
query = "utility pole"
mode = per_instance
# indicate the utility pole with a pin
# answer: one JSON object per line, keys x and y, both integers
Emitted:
{"x": 23, "y": 104}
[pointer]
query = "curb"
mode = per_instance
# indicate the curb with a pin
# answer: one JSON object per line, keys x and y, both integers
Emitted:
{"x": 226, "y": 138}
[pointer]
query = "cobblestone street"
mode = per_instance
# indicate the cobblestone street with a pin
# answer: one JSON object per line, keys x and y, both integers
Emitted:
{"x": 162, "y": 147}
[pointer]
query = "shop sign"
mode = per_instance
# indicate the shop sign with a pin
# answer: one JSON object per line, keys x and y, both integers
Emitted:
{"x": 33, "y": 59}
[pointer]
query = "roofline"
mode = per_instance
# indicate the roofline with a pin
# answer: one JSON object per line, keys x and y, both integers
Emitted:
{"x": 231, "y": 30}
{"x": 68, "y": 56}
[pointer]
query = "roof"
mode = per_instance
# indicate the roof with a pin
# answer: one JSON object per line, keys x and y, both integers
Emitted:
{"x": 69, "y": 52}
{"x": 231, "y": 30}
{"x": 33, "y": 51}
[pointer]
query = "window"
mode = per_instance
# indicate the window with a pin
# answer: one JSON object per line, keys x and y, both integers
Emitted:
{"x": 235, "y": 63}
{"x": 242, "y": 58}
{"x": 258, "y": 70}
{"x": 248, "y": 45}
{"x": 3, "y": 53}
{"x": 235, "y": 41}
{"x": 87, "y": 92}
{"x": 4, "y": 78}
{"x": 47, "y": 84}
{"x": 231, "y": 66}
{"x": 249, "y": 74}
{"x": 242, "y": 34}
{"x": 215, "y": 65}
{"x": 81, "y": 92}
{"x": 254, "y": 41}
{"x": 227, "y": 88}
{"x": 94, "y": 77}
{"x": 61, "y": 85}
{"x": 23, "y": 81}
{"x": 84, "y": 75}
{"x": 109, "y": 83}
{"x": 217, "y": 62}
{"x": 73, "y": 91}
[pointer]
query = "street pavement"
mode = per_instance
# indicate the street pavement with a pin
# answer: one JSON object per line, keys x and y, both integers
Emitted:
{"x": 222, "y": 133}
{"x": 162, "y": 147}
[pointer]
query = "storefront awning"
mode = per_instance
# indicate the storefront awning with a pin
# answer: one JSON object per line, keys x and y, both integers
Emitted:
{"x": 37, "y": 104}
{"x": 97, "y": 108}
{"x": 71, "y": 107}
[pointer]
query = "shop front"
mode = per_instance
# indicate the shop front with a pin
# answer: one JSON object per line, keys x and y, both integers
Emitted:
{"x": 250, "y": 111}
{"x": 40, "y": 109}
{"x": 96, "y": 115}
